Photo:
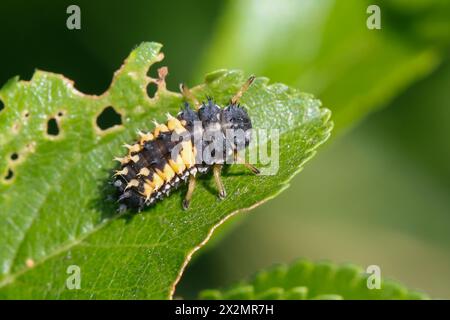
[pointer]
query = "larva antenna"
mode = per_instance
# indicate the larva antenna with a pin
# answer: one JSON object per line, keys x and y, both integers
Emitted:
{"x": 242, "y": 90}
{"x": 187, "y": 94}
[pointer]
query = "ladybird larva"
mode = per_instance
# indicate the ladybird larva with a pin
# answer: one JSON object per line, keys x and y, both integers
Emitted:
{"x": 158, "y": 163}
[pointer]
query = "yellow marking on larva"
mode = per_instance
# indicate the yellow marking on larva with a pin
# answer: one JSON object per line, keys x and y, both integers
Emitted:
{"x": 174, "y": 123}
{"x": 132, "y": 183}
{"x": 167, "y": 174}
{"x": 135, "y": 158}
{"x": 156, "y": 182}
{"x": 134, "y": 148}
{"x": 180, "y": 131}
{"x": 186, "y": 159}
{"x": 148, "y": 190}
{"x": 122, "y": 172}
{"x": 183, "y": 122}
{"x": 144, "y": 172}
{"x": 177, "y": 165}
{"x": 144, "y": 137}
{"x": 160, "y": 128}
{"x": 188, "y": 153}
{"x": 123, "y": 160}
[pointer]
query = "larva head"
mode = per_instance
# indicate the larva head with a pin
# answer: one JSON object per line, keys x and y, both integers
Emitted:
{"x": 236, "y": 119}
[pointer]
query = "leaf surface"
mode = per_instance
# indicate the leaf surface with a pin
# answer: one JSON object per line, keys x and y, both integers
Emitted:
{"x": 57, "y": 207}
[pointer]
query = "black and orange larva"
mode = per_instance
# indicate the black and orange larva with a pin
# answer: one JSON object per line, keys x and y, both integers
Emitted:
{"x": 151, "y": 171}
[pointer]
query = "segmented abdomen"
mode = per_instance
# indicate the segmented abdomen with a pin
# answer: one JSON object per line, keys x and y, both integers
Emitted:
{"x": 155, "y": 165}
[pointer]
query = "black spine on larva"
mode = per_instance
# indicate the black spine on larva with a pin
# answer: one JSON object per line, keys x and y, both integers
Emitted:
{"x": 236, "y": 118}
{"x": 209, "y": 114}
{"x": 156, "y": 153}
{"x": 131, "y": 198}
{"x": 189, "y": 116}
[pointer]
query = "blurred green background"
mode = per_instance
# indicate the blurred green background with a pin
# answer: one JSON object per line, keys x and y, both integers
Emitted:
{"x": 376, "y": 193}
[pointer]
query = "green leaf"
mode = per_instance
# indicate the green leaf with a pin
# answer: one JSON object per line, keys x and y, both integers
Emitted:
{"x": 306, "y": 280}
{"x": 325, "y": 47}
{"x": 56, "y": 206}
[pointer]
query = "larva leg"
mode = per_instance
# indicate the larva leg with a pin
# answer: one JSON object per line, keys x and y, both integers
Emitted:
{"x": 188, "y": 197}
{"x": 242, "y": 90}
{"x": 252, "y": 168}
{"x": 249, "y": 166}
{"x": 217, "y": 169}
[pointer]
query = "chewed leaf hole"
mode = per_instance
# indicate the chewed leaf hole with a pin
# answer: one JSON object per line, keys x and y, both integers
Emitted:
{"x": 108, "y": 118}
{"x": 52, "y": 127}
{"x": 9, "y": 175}
{"x": 151, "y": 89}
{"x": 2, "y": 106}
{"x": 14, "y": 156}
